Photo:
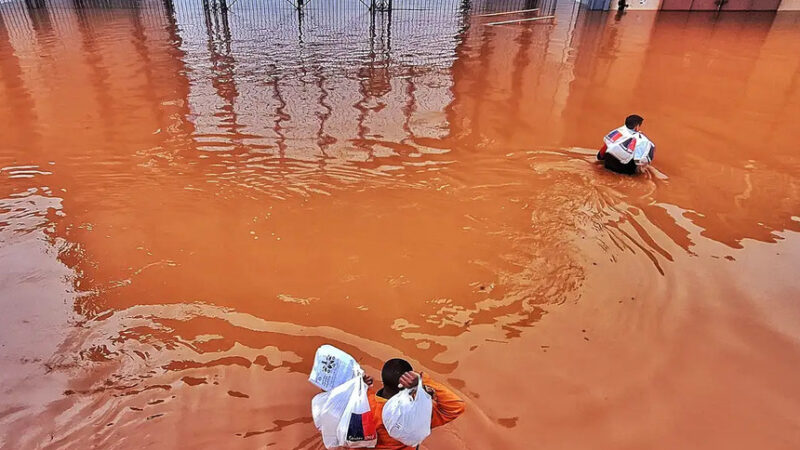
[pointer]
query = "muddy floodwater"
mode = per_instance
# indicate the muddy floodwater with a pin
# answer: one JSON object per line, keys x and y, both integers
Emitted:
{"x": 192, "y": 201}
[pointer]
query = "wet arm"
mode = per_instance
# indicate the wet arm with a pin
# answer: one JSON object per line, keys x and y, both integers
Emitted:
{"x": 602, "y": 153}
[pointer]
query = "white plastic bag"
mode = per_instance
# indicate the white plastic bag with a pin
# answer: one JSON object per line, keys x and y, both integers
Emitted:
{"x": 407, "y": 417}
{"x": 357, "y": 427}
{"x": 626, "y": 145}
{"x": 344, "y": 417}
{"x": 332, "y": 367}
{"x": 620, "y": 144}
{"x": 325, "y": 419}
{"x": 644, "y": 152}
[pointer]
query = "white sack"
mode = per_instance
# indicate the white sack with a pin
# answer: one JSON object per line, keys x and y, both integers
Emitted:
{"x": 332, "y": 367}
{"x": 407, "y": 417}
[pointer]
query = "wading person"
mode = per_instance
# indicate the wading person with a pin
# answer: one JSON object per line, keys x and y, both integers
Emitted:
{"x": 398, "y": 372}
{"x": 627, "y": 150}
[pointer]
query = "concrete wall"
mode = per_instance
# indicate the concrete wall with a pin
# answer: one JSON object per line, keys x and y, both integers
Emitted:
{"x": 595, "y": 5}
{"x": 789, "y": 5}
{"x": 633, "y": 5}
{"x": 640, "y": 5}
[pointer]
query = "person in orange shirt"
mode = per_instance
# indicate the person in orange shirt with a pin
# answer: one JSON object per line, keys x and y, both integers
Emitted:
{"x": 398, "y": 372}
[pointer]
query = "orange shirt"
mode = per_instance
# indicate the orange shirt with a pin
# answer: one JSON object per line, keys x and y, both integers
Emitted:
{"x": 446, "y": 407}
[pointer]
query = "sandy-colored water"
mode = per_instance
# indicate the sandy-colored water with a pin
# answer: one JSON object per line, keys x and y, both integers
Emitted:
{"x": 190, "y": 204}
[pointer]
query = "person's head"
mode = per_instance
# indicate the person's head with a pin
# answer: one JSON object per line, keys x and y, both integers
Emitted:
{"x": 392, "y": 370}
{"x": 634, "y": 122}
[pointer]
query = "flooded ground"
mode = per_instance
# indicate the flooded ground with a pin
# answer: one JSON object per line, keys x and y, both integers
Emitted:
{"x": 192, "y": 202}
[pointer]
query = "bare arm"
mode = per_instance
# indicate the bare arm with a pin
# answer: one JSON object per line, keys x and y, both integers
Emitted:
{"x": 602, "y": 153}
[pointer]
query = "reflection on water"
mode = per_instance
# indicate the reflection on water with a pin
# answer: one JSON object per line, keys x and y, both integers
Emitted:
{"x": 195, "y": 198}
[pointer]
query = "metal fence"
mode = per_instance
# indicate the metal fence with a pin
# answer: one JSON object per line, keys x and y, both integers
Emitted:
{"x": 327, "y": 13}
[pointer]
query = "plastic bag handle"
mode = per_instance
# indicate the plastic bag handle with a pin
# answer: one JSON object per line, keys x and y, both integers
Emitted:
{"x": 417, "y": 388}
{"x": 359, "y": 373}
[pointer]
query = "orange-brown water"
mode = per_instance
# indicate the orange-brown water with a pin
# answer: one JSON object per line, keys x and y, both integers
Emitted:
{"x": 191, "y": 203}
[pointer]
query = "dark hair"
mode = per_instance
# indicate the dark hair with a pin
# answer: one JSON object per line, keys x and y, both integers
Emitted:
{"x": 633, "y": 121}
{"x": 392, "y": 371}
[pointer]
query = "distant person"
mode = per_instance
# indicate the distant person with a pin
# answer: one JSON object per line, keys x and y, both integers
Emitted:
{"x": 447, "y": 406}
{"x": 627, "y": 150}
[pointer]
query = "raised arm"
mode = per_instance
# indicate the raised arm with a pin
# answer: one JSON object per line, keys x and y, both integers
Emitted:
{"x": 447, "y": 406}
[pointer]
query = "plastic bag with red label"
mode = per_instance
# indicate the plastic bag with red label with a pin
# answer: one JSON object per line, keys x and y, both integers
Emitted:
{"x": 343, "y": 414}
{"x": 628, "y": 145}
{"x": 358, "y": 431}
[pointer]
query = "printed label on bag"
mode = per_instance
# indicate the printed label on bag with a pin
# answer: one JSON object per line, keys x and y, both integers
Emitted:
{"x": 362, "y": 427}
{"x": 327, "y": 370}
